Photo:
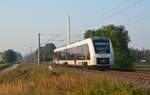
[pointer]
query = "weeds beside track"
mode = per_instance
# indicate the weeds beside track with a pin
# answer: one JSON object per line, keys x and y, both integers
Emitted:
{"x": 28, "y": 79}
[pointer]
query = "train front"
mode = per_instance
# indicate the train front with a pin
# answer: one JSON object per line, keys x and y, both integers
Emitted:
{"x": 103, "y": 52}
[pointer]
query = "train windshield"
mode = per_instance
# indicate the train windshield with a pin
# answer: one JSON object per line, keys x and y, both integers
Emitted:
{"x": 102, "y": 46}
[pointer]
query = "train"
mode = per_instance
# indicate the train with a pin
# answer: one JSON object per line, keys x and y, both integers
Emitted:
{"x": 90, "y": 52}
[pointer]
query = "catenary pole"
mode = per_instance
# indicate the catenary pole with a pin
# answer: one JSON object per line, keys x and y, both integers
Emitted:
{"x": 68, "y": 29}
{"x": 30, "y": 54}
{"x": 38, "y": 50}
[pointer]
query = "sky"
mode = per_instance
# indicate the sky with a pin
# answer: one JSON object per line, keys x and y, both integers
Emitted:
{"x": 22, "y": 20}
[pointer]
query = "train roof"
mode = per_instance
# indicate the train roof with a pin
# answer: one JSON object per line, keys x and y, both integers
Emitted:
{"x": 81, "y": 42}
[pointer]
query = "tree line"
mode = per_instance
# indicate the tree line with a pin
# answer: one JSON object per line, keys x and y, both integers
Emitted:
{"x": 11, "y": 56}
{"x": 46, "y": 54}
{"x": 140, "y": 54}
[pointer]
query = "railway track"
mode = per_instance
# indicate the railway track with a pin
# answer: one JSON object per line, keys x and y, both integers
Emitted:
{"x": 145, "y": 72}
{"x": 138, "y": 75}
{"x": 134, "y": 75}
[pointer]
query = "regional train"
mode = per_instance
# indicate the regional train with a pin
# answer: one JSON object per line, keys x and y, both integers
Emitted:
{"x": 96, "y": 51}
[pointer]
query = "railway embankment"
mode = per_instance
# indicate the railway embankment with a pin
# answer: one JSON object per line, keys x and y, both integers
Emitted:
{"x": 140, "y": 79}
{"x": 28, "y": 79}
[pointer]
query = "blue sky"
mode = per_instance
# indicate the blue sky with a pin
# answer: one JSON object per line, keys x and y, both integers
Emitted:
{"x": 21, "y": 20}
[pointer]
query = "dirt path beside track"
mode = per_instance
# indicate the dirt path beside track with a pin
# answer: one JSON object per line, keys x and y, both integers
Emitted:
{"x": 10, "y": 68}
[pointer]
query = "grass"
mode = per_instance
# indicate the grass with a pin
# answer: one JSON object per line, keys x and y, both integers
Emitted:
{"x": 27, "y": 79}
{"x": 142, "y": 67}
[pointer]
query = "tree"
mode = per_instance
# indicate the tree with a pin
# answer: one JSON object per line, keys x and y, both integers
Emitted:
{"x": 46, "y": 52}
{"x": 19, "y": 56}
{"x": 135, "y": 53}
{"x": 120, "y": 40}
{"x": 9, "y": 56}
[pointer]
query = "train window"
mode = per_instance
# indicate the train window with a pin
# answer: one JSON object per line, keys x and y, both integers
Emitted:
{"x": 87, "y": 52}
{"x": 102, "y": 46}
{"x": 70, "y": 54}
{"x": 81, "y": 52}
{"x": 62, "y": 55}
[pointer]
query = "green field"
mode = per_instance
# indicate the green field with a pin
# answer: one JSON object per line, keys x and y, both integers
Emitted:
{"x": 27, "y": 79}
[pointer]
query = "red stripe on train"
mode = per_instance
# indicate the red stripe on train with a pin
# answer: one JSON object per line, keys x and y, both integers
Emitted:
{"x": 75, "y": 55}
{"x": 85, "y": 54}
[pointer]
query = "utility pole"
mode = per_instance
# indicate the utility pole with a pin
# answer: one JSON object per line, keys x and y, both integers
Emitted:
{"x": 44, "y": 54}
{"x": 68, "y": 30}
{"x": 30, "y": 54}
{"x": 38, "y": 50}
{"x": 40, "y": 43}
{"x": 26, "y": 58}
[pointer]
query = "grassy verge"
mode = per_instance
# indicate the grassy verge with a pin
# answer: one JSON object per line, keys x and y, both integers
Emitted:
{"x": 27, "y": 79}
{"x": 3, "y": 66}
{"x": 145, "y": 67}
{"x": 142, "y": 67}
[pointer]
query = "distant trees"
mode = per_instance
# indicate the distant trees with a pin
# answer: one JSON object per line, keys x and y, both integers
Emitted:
{"x": 147, "y": 59}
{"x": 19, "y": 56}
{"x": 120, "y": 39}
{"x": 144, "y": 55}
{"x": 1, "y": 62}
{"x": 134, "y": 53}
{"x": 46, "y": 53}
{"x": 10, "y": 56}
{"x": 140, "y": 54}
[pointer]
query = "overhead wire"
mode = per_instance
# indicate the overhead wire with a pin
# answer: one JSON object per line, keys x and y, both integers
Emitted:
{"x": 136, "y": 17}
{"x": 114, "y": 13}
{"x": 101, "y": 15}
{"x": 55, "y": 36}
{"x": 119, "y": 11}
{"x": 138, "y": 20}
